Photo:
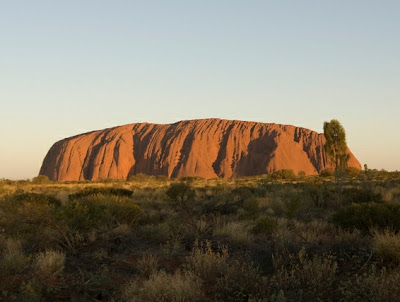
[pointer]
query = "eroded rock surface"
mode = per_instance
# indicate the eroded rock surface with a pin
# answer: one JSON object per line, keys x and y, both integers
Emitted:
{"x": 208, "y": 148}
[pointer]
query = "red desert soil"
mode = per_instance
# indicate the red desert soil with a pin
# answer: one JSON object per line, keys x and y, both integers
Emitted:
{"x": 208, "y": 148}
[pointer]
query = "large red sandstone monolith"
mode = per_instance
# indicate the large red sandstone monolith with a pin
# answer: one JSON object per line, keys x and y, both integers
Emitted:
{"x": 208, "y": 148}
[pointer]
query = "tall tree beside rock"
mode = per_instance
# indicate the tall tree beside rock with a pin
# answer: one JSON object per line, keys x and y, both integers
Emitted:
{"x": 336, "y": 146}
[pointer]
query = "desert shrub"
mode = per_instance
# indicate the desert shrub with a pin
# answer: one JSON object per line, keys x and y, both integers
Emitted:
{"x": 139, "y": 177}
{"x": 21, "y": 198}
{"x": 121, "y": 209}
{"x": 292, "y": 205}
{"x": 241, "y": 282}
{"x": 378, "y": 285}
{"x": 13, "y": 259}
{"x": 180, "y": 193}
{"x": 250, "y": 209}
{"x": 98, "y": 211}
{"x": 326, "y": 173}
{"x": 284, "y": 240}
{"x": 160, "y": 178}
{"x": 315, "y": 231}
{"x": 41, "y": 179}
{"x": 178, "y": 287}
{"x": 191, "y": 179}
{"x": 312, "y": 279}
{"x": 206, "y": 263}
{"x": 360, "y": 195}
{"x": 219, "y": 203}
{"x": 301, "y": 174}
{"x": 277, "y": 296}
{"x": 352, "y": 172}
{"x": 29, "y": 291}
{"x": 100, "y": 191}
{"x": 287, "y": 174}
{"x": 5, "y": 181}
{"x": 242, "y": 194}
{"x": 173, "y": 246}
{"x": 291, "y": 235}
{"x": 26, "y": 215}
{"x": 264, "y": 225}
{"x": 368, "y": 216}
{"x": 82, "y": 217}
{"x": 158, "y": 233}
{"x": 147, "y": 179}
{"x": 387, "y": 246}
{"x": 49, "y": 263}
{"x": 350, "y": 246}
{"x": 322, "y": 196}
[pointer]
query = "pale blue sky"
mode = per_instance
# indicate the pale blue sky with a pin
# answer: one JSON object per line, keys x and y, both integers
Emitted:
{"x": 68, "y": 67}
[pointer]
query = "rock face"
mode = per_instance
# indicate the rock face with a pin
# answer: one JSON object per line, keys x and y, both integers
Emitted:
{"x": 208, "y": 148}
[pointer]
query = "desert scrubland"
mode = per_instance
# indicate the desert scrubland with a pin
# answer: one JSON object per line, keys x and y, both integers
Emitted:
{"x": 277, "y": 237}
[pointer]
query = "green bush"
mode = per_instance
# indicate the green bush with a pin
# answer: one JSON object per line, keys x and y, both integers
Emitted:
{"x": 121, "y": 209}
{"x": 41, "y": 179}
{"x": 27, "y": 215}
{"x": 250, "y": 209}
{"x": 180, "y": 193}
{"x": 322, "y": 196}
{"x": 241, "y": 194}
{"x": 367, "y": 216}
{"x": 81, "y": 217}
{"x": 96, "y": 211}
{"x": 140, "y": 177}
{"x": 158, "y": 233}
{"x": 360, "y": 195}
{"x": 103, "y": 191}
{"x": 326, "y": 173}
{"x": 265, "y": 225}
{"x": 18, "y": 198}
{"x": 352, "y": 172}
{"x": 191, "y": 179}
{"x": 5, "y": 181}
{"x": 287, "y": 174}
{"x": 301, "y": 174}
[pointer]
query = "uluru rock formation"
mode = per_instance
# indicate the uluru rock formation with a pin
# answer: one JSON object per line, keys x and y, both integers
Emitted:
{"x": 208, "y": 148}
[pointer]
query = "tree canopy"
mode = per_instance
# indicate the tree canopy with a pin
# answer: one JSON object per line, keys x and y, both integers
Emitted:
{"x": 336, "y": 146}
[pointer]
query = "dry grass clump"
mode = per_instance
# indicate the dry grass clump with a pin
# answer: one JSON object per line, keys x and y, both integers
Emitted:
{"x": 178, "y": 287}
{"x": 242, "y": 281}
{"x": 238, "y": 233}
{"x": 374, "y": 285}
{"x": 304, "y": 276}
{"x": 206, "y": 263}
{"x": 147, "y": 265}
{"x": 314, "y": 231}
{"x": 387, "y": 246}
{"x": 49, "y": 263}
{"x": 121, "y": 230}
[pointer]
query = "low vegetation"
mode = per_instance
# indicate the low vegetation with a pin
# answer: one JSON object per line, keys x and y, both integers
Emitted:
{"x": 279, "y": 237}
